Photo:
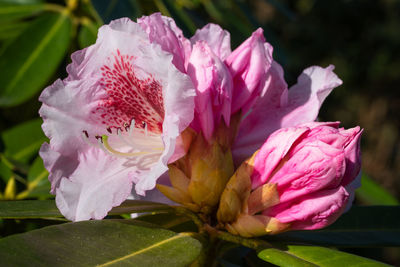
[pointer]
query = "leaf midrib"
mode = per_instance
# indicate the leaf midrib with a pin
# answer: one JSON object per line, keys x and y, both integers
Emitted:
{"x": 37, "y": 51}
{"x": 144, "y": 250}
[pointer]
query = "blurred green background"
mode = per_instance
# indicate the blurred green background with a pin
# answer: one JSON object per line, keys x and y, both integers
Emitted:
{"x": 361, "y": 38}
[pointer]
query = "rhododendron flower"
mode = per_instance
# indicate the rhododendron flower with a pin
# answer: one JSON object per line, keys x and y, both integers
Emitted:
{"x": 301, "y": 178}
{"x": 123, "y": 113}
{"x": 116, "y": 119}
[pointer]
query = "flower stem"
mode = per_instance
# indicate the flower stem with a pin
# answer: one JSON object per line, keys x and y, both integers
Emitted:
{"x": 186, "y": 212}
{"x": 255, "y": 244}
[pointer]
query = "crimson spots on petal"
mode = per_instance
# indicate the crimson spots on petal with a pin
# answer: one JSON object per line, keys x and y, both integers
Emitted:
{"x": 128, "y": 96}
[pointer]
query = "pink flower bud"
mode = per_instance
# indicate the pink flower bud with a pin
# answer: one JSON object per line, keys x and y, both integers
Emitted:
{"x": 311, "y": 166}
{"x": 249, "y": 65}
{"x": 303, "y": 177}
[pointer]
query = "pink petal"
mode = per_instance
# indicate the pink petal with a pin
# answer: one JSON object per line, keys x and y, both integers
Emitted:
{"x": 219, "y": 40}
{"x": 96, "y": 182}
{"x": 351, "y": 189}
{"x": 353, "y": 158}
{"x": 309, "y": 167}
{"x": 306, "y": 97}
{"x": 313, "y": 211}
{"x": 272, "y": 152}
{"x": 249, "y": 64}
{"x": 301, "y": 106}
{"x": 57, "y": 165}
{"x": 213, "y": 84}
{"x": 163, "y": 31}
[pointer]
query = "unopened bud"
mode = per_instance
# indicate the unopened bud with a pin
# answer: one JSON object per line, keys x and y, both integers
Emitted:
{"x": 301, "y": 178}
{"x": 199, "y": 178}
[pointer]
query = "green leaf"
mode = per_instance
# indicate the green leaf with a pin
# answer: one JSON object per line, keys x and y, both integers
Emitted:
{"x": 315, "y": 256}
{"x": 24, "y": 209}
{"x": 87, "y": 33}
{"x": 37, "y": 173}
{"x": 370, "y": 226}
{"x": 29, "y": 61}
{"x": 47, "y": 208}
{"x": 99, "y": 243}
{"x": 372, "y": 193}
{"x": 11, "y": 30}
{"x": 133, "y": 206}
{"x": 5, "y": 171}
{"x": 38, "y": 184}
{"x": 9, "y": 11}
{"x": 23, "y": 141}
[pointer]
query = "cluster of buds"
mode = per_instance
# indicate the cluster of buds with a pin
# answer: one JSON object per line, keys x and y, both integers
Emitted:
{"x": 301, "y": 178}
{"x": 199, "y": 178}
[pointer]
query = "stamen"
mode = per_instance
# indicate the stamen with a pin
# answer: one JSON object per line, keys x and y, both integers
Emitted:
{"x": 106, "y": 145}
{"x": 145, "y": 128}
{"x": 85, "y": 137}
{"x": 131, "y": 127}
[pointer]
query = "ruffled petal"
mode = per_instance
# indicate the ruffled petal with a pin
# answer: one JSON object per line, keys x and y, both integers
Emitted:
{"x": 217, "y": 38}
{"x": 306, "y": 97}
{"x": 301, "y": 106}
{"x": 163, "y": 31}
{"x": 66, "y": 113}
{"x": 90, "y": 186}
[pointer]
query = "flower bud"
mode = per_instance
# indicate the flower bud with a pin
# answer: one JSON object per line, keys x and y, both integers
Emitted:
{"x": 300, "y": 179}
{"x": 199, "y": 178}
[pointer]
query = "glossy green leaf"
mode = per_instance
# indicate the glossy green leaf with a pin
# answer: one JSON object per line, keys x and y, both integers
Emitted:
{"x": 23, "y": 141}
{"x": 47, "y": 208}
{"x": 315, "y": 256}
{"x": 37, "y": 173}
{"x": 370, "y": 226}
{"x": 133, "y": 206}
{"x": 23, "y": 209}
{"x": 87, "y": 33}
{"x": 99, "y": 243}
{"x": 5, "y": 171}
{"x": 11, "y": 30}
{"x": 29, "y": 61}
{"x": 38, "y": 184}
{"x": 372, "y": 193}
{"x": 10, "y": 11}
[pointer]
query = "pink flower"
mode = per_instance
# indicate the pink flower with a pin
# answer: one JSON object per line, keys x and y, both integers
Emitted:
{"x": 118, "y": 116}
{"x": 301, "y": 178}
